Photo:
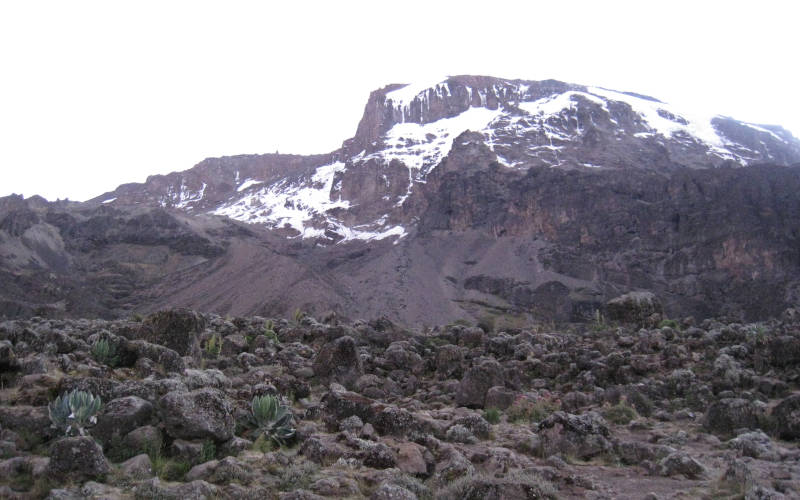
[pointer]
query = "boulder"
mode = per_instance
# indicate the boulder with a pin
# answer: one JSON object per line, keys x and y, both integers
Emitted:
{"x": 451, "y": 465}
{"x": 145, "y": 439}
{"x": 756, "y": 445}
{"x": 200, "y": 414}
{"x": 476, "y": 424}
{"x": 583, "y": 436}
{"x": 411, "y": 459}
{"x": 729, "y": 414}
{"x": 78, "y": 459}
{"x": 786, "y": 418}
{"x": 477, "y": 380}
{"x": 339, "y": 361}
{"x": 121, "y": 416}
{"x": 221, "y": 471}
{"x": 8, "y": 360}
{"x": 633, "y": 307}
{"x": 32, "y": 420}
{"x": 323, "y": 450}
{"x": 388, "y": 491}
{"x": 232, "y": 345}
{"x": 679, "y": 463}
{"x": 138, "y": 467}
{"x": 499, "y": 397}
{"x": 379, "y": 456}
{"x": 784, "y": 351}
{"x": 169, "y": 359}
{"x": 449, "y": 359}
{"x": 176, "y": 329}
{"x": 199, "y": 379}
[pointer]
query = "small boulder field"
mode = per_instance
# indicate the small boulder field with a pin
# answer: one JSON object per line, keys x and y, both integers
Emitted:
{"x": 185, "y": 405}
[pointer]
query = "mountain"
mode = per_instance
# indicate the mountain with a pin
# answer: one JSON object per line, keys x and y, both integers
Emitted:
{"x": 459, "y": 198}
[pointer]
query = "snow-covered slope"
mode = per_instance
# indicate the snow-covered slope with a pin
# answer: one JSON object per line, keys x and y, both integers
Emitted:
{"x": 361, "y": 191}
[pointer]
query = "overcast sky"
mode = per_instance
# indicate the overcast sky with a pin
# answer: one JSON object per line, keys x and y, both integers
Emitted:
{"x": 97, "y": 93}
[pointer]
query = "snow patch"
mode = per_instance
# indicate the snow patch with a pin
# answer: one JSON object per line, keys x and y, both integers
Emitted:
{"x": 554, "y": 104}
{"x": 695, "y": 125}
{"x": 422, "y": 146}
{"x": 770, "y": 132}
{"x": 289, "y": 204}
{"x": 246, "y": 184}
{"x": 184, "y": 196}
{"x": 405, "y": 95}
{"x": 108, "y": 200}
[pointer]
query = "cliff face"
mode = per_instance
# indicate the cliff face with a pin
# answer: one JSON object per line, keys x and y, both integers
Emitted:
{"x": 459, "y": 198}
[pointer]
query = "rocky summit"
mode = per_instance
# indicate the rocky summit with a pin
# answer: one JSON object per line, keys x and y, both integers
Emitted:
{"x": 496, "y": 289}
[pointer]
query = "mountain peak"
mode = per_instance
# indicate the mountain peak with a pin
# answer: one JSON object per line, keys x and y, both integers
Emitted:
{"x": 362, "y": 190}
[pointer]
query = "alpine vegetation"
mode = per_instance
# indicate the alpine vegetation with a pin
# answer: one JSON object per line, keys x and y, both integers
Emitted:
{"x": 71, "y": 413}
{"x": 273, "y": 419}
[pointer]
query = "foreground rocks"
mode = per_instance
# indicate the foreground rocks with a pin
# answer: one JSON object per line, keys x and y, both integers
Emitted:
{"x": 682, "y": 411}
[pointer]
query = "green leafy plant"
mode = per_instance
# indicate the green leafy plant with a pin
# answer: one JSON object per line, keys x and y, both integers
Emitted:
{"x": 73, "y": 412}
{"x": 299, "y": 315}
{"x": 213, "y": 346}
{"x": 269, "y": 332}
{"x": 105, "y": 352}
{"x": 273, "y": 419}
{"x": 209, "y": 450}
{"x": 599, "y": 324}
{"x": 492, "y": 415}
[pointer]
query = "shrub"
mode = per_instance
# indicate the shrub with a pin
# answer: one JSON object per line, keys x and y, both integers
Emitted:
{"x": 670, "y": 323}
{"x": 487, "y": 323}
{"x": 263, "y": 444}
{"x": 641, "y": 403}
{"x": 297, "y": 476}
{"x": 620, "y": 414}
{"x": 105, "y": 352}
{"x": 74, "y": 411}
{"x": 479, "y": 484}
{"x": 273, "y": 419}
{"x": 209, "y": 450}
{"x": 213, "y": 346}
{"x": 492, "y": 415}
{"x": 526, "y": 410}
{"x": 169, "y": 469}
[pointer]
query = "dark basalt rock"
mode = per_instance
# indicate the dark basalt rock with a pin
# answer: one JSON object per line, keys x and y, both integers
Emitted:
{"x": 727, "y": 415}
{"x": 121, "y": 416}
{"x": 786, "y": 418}
{"x": 476, "y": 383}
{"x": 176, "y": 329}
{"x": 339, "y": 360}
{"x": 201, "y": 414}
{"x": 79, "y": 459}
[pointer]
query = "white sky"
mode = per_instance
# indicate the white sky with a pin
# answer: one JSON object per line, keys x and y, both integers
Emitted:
{"x": 97, "y": 93}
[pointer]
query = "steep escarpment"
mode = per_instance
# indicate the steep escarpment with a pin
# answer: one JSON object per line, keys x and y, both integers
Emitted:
{"x": 708, "y": 241}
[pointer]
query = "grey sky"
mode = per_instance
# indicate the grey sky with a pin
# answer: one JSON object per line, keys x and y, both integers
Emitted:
{"x": 97, "y": 93}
